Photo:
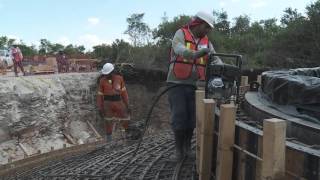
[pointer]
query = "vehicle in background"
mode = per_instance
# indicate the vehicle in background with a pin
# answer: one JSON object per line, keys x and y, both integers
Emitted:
{"x": 6, "y": 58}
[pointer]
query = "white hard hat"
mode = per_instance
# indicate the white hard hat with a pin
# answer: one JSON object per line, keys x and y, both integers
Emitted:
{"x": 107, "y": 68}
{"x": 207, "y": 17}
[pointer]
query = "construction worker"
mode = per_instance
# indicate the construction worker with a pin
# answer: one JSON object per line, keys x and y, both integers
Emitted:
{"x": 112, "y": 99}
{"x": 62, "y": 62}
{"x": 189, "y": 55}
{"x": 17, "y": 59}
{"x": 3, "y": 68}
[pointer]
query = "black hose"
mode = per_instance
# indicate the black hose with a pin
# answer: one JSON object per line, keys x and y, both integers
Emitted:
{"x": 148, "y": 120}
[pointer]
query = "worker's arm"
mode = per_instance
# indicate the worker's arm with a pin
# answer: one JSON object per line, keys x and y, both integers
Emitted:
{"x": 217, "y": 59}
{"x": 124, "y": 93}
{"x": 179, "y": 48}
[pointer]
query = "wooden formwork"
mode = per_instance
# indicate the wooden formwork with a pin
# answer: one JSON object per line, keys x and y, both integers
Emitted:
{"x": 301, "y": 162}
{"x": 244, "y": 152}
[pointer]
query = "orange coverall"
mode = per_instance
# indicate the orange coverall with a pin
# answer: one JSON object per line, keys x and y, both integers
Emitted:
{"x": 113, "y": 101}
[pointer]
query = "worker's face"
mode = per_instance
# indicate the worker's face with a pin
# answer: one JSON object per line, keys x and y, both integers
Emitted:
{"x": 202, "y": 30}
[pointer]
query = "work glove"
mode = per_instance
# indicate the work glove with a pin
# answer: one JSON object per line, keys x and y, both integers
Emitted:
{"x": 202, "y": 52}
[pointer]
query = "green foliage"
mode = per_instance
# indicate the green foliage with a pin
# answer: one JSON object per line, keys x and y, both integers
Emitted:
{"x": 265, "y": 43}
{"x": 28, "y": 51}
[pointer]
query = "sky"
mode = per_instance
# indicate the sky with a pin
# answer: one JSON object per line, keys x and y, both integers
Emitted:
{"x": 93, "y": 22}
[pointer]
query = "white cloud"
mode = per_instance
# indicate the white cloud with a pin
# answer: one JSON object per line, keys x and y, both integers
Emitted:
{"x": 16, "y": 38}
{"x": 64, "y": 40}
{"x": 222, "y": 3}
{"x": 258, "y": 3}
{"x": 93, "y": 21}
{"x": 90, "y": 40}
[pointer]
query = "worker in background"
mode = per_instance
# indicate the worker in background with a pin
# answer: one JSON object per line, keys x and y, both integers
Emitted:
{"x": 62, "y": 62}
{"x": 3, "y": 67}
{"x": 112, "y": 99}
{"x": 189, "y": 55}
{"x": 17, "y": 59}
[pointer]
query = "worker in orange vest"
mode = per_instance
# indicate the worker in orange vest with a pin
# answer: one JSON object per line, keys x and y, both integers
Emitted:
{"x": 17, "y": 59}
{"x": 112, "y": 99}
{"x": 189, "y": 55}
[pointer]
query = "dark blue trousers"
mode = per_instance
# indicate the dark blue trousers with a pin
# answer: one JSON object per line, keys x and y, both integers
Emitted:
{"x": 182, "y": 107}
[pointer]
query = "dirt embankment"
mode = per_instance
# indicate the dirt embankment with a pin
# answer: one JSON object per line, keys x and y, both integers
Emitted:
{"x": 41, "y": 112}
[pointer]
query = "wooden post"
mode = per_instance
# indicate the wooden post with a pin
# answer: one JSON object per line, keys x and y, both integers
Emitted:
{"x": 244, "y": 80}
{"x": 25, "y": 150}
{"x": 225, "y": 142}
{"x": 273, "y": 154}
{"x": 259, "y": 79}
{"x": 199, "y": 118}
{"x": 207, "y": 129}
{"x": 244, "y": 86}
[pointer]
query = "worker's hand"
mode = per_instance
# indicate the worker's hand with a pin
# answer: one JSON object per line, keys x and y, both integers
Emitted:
{"x": 202, "y": 52}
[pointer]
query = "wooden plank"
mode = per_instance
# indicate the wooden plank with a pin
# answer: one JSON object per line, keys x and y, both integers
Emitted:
{"x": 24, "y": 149}
{"x": 259, "y": 79}
{"x": 259, "y": 163}
{"x": 273, "y": 154}
{"x": 294, "y": 164}
{"x": 243, "y": 136}
{"x": 207, "y": 129}
{"x": 94, "y": 130}
{"x": 37, "y": 160}
{"x": 225, "y": 142}
{"x": 69, "y": 138}
{"x": 244, "y": 80}
{"x": 199, "y": 117}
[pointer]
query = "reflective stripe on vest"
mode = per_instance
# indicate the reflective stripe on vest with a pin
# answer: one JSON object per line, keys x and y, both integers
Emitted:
{"x": 182, "y": 68}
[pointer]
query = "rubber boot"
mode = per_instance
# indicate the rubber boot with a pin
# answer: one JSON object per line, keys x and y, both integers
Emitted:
{"x": 179, "y": 137}
{"x": 109, "y": 137}
{"x": 187, "y": 142}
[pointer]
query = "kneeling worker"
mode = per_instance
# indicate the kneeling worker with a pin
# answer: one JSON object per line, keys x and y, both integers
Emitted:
{"x": 112, "y": 99}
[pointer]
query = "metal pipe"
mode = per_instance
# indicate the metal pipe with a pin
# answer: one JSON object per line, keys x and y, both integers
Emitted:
{"x": 247, "y": 152}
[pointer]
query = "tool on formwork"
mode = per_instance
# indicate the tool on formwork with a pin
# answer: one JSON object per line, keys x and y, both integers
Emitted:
{"x": 223, "y": 80}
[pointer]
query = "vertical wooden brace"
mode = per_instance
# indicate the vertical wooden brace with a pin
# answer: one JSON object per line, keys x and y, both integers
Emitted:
{"x": 207, "y": 128}
{"x": 273, "y": 154}
{"x": 199, "y": 117}
{"x": 225, "y": 142}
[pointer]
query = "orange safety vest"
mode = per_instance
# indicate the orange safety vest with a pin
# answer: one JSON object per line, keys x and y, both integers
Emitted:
{"x": 17, "y": 55}
{"x": 111, "y": 87}
{"x": 182, "y": 68}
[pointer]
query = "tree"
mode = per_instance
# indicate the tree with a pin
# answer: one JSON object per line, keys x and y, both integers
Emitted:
{"x": 121, "y": 51}
{"x": 138, "y": 31}
{"x": 242, "y": 24}
{"x": 290, "y": 16}
{"x": 28, "y": 51}
{"x": 165, "y": 31}
{"x": 44, "y": 46}
{"x": 54, "y": 48}
{"x": 103, "y": 52}
{"x": 222, "y": 24}
{"x": 3, "y": 41}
